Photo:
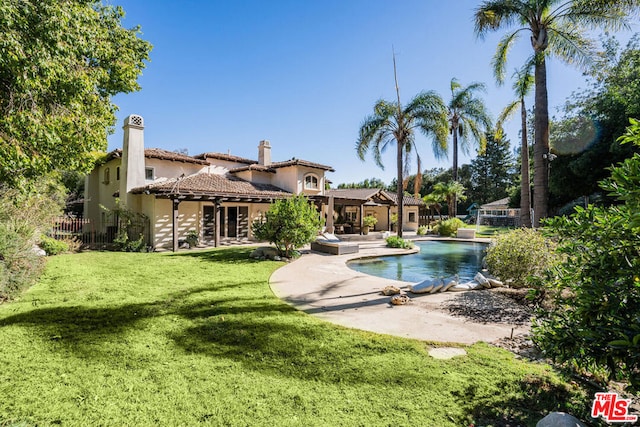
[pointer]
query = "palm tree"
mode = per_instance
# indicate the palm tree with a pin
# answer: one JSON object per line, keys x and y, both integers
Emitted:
{"x": 449, "y": 192}
{"x": 467, "y": 118}
{"x": 432, "y": 200}
{"x": 390, "y": 122}
{"x": 521, "y": 86}
{"x": 556, "y": 28}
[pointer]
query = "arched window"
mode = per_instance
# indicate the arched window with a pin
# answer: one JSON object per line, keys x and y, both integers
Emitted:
{"x": 311, "y": 182}
{"x": 107, "y": 175}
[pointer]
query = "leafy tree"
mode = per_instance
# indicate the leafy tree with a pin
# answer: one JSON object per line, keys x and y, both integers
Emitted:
{"x": 585, "y": 138}
{"x": 391, "y": 122}
{"x": 367, "y": 183}
{"x": 522, "y": 84}
{"x": 492, "y": 171}
{"x": 61, "y": 62}
{"x": 289, "y": 224}
{"x": 556, "y": 28}
{"x": 594, "y": 321}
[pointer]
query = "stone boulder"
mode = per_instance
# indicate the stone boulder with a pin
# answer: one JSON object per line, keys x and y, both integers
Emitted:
{"x": 559, "y": 419}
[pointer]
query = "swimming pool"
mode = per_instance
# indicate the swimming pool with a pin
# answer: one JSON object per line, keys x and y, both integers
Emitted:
{"x": 435, "y": 259}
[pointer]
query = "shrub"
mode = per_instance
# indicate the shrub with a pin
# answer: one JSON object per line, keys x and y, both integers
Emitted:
{"x": 422, "y": 230}
{"x": 24, "y": 215}
{"x": 52, "y": 246}
{"x": 593, "y": 322}
{"x": 369, "y": 221}
{"x": 399, "y": 242}
{"x": 520, "y": 255}
{"x": 124, "y": 244}
{"x": 448, "y": 227}
{"x": 289, "y": 224}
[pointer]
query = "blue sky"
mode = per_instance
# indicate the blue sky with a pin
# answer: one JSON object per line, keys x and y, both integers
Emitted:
{"x": 304, "y": 74}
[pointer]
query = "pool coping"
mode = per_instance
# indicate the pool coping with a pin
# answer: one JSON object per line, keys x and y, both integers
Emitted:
{"x": 324, "y": 286}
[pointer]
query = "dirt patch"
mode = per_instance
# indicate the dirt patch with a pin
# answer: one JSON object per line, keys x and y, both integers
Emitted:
{"x": 497, "y": 305}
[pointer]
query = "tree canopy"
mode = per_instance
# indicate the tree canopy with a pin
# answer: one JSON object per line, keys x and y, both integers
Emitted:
{"x": 61, "y": 62}
{"x": 556, "y": 28}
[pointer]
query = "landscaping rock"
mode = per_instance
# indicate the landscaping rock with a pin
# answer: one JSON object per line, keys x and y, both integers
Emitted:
{"x": 265, "y": 252}
{"x": 390, "y": 290}
{"x": 400, "y": 299}
{"x": 559, "y": 419}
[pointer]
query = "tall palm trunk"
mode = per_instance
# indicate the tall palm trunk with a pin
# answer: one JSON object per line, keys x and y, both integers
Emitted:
{"x": 399, "y": 188}
{"x": 525, "y": 189}
{"x": 453, "y": 206}
{"x": 541, "y": 145}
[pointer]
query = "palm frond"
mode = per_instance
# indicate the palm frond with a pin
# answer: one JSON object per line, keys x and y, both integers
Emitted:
{"x": 571, "y": 46}
{"x": 499, "y": 60}
{"x": 492, "y": 15}
{"x": 506, "y": 113}
{"x": 524, "y": 80}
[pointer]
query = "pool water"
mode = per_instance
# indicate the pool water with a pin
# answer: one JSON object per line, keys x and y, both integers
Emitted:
{"x": 435, "y": 259}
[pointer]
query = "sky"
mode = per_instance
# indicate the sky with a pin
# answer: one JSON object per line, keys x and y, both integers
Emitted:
{"x": 304, "y": 74}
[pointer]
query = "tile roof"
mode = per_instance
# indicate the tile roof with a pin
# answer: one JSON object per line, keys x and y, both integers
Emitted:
{"x": 253, "y": 167}
{"x": 408, "y": 200}
{"x": 368, "y": 193}
{"x": 299, "y": 162}
{"x": 159, "y": 153}
{"x": 214, "y": 185}
{"x": 228, "y": 157}
{"x": 353, "y": 193}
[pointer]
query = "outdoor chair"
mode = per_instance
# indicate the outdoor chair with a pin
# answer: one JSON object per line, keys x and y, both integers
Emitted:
{"x": 330, "y": 244}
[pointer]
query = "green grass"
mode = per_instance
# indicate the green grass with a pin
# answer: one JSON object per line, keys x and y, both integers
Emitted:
{"x": 198, "y": 338}
{"x": 490, "y": 230}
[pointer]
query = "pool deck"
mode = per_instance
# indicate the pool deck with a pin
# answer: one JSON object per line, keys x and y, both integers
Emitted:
{"x": 323, "y": 286}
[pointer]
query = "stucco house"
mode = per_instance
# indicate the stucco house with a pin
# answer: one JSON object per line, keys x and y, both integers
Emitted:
{"x": 214, "y": 195}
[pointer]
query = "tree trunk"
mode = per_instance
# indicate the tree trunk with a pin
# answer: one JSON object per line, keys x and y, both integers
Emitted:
{"x": 453, "y": 212}
{"x": 400, "y": 190}
{"x": 541, "y": 145}
{"x": 525, "y": 189}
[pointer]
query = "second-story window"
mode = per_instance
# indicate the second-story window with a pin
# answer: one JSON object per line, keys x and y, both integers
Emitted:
{"x": 311, "y": 182}
{"x": 148, "y": 174}
{"x": 107, "y": 176}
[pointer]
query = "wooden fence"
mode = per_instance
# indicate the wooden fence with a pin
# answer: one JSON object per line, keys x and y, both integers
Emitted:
{"x": 86, "y": 231}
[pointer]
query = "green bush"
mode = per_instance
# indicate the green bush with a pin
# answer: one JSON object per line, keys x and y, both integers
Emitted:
{"x": 52, "y": 246}
{"x": 520, "y": 255}
{"x": 594, "y": 321}
{"x": 124, "y": 244}
{"x": 448, "y": 227}
{"x": 289, "y": 224}
{"x": 24, "y": 215}
{"x": 422, "y": 230}
{"x": 399, "y": 242}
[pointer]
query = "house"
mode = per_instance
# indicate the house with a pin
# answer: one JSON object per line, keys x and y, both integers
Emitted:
{"x": 499, "y": 213}
{"x": 214, "y": 195}
{"x": 350, "y": 206}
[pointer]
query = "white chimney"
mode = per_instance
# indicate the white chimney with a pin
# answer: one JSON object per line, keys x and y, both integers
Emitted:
{"x": 264, "y": 153}
{"x": 132, "y": 167}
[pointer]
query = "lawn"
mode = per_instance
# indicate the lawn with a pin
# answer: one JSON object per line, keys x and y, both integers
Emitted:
{"x": 198, "y": 338}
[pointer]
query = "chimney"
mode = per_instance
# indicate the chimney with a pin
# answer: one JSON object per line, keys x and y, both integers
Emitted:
{"x": 132, "y": 167}
{"x": 264, "y": 153}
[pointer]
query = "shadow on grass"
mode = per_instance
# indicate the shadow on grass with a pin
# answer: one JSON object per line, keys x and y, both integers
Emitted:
{"x": 236, "y": 255}
{"x": 529, "y": 400}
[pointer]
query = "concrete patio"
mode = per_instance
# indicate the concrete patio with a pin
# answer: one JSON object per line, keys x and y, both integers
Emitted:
{"x": 322, "y": 285}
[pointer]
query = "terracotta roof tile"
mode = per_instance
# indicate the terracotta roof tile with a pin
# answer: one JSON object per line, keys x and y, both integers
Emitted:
{"x": 254, "y": 167}
{"x": 299, "y": 162}
{"x": 214, "y": 185}
{"x": 368, "y": 193}
{"x": 228, "y": 157}
{"x": 159, "y": 153}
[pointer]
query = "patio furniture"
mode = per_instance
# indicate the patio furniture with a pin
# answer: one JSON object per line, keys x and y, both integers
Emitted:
{"x": 330, "y": 244}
